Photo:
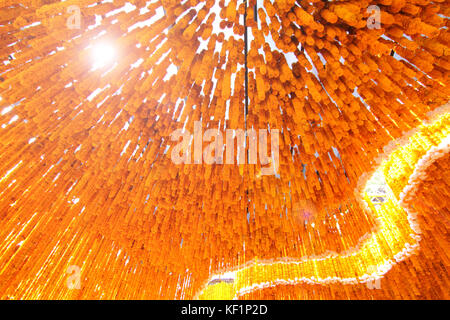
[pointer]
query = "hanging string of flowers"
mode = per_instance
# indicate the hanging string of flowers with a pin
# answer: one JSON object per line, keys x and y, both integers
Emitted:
{"x": 92, "y": 91}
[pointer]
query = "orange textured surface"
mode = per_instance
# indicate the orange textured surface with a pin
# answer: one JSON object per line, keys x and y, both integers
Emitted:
{"x": 86, "y": 177}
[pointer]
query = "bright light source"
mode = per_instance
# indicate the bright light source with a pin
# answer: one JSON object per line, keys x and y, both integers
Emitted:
{"x": 103, "y": 55}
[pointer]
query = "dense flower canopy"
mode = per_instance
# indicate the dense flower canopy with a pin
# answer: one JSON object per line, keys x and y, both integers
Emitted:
{"x": 91, "y": 92}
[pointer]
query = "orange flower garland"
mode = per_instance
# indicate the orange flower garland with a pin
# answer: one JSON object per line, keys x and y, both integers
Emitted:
{"x": 86, "y": 177}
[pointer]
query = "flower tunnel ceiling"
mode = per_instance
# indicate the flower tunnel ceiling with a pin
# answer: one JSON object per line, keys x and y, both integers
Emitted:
{"x": 91, "y": 92}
